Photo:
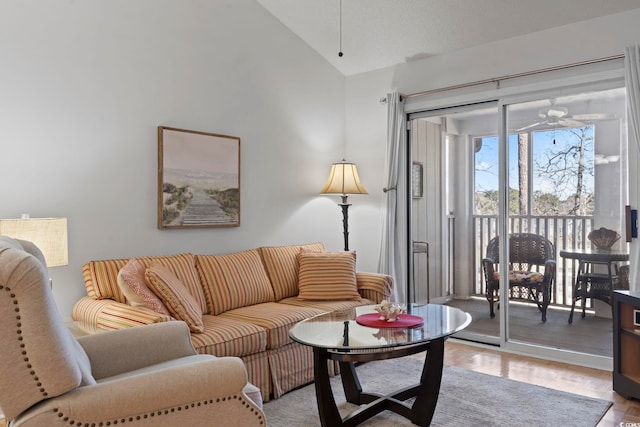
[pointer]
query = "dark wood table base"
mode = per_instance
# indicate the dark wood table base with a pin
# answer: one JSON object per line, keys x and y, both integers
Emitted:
{"x": 425, "y": 392}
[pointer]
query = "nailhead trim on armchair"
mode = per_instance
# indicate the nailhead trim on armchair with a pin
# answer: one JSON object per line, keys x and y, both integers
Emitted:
{"x": 24, "y": 353}
{"x": 141, "y": 417}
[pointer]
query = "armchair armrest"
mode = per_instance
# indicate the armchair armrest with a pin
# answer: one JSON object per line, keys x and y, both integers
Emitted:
{"x": 488, "y": 265}
{"x": 549, "y": 270}
{"x": 114, "y": 352}
{"x": 187, "y": 394}
{"x": 489, "y": 260}
{"x": 375, "y": 286}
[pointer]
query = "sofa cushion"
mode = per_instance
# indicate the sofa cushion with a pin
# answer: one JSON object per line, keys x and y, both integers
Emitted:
{"x": 326, "y": 305}
{"x": 234, "y": 280}
{"x": 174, "y": 294}
{"x": 101, "y": 279}
{"x": 132, "y": 283}
{"x": 522, "y": 277}
{"x": 281, "y": 263}
{"x": 229, "y": 337}
{"x": 275, "y": 318}
{"x": 327, "y": 276}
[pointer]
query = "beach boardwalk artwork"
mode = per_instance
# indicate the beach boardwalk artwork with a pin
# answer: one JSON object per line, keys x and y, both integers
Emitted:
{"x": 198, "y": 179}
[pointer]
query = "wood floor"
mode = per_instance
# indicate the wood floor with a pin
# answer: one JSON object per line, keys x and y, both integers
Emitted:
{"x": 559, "y": 376}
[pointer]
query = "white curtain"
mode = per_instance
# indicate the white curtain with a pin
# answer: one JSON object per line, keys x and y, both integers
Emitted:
{"x": 632, "y": 82}
{"x": 393, "y": 246}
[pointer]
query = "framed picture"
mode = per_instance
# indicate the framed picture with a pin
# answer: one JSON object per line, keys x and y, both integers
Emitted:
{"x": 416, "y": 180}
{"x": 198, "y": 179}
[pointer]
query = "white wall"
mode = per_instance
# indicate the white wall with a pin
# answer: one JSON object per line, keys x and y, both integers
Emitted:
{"x": 84, "y": 85}
{"x": 366, "y": 118}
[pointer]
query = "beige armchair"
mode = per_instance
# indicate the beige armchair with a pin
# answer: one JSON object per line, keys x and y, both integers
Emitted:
{"x": 143, "y": 376}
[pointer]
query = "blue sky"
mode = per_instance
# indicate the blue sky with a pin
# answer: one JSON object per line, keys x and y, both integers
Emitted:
{"x": 486, "y": 162}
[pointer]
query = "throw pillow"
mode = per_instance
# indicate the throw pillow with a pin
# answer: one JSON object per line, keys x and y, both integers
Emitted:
{"x": 131, "y": 280}
{"x": 327, "y": 276}
{"x": 181, "y": 304}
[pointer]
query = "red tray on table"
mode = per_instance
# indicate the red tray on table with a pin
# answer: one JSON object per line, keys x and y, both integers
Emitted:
{"x": 403, "y": 321}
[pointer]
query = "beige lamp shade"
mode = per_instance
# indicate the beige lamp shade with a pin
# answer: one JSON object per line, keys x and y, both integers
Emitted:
{"x": 48, "y": 234}
{"x": 343, "y": 179}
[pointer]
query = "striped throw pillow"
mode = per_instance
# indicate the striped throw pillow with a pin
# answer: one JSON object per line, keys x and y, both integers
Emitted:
{"x": 180, "y": 303}
{"x": 327, "y": 276}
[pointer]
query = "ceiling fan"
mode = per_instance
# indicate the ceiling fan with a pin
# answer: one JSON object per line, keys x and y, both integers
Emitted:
{"x": 555, "y": 115}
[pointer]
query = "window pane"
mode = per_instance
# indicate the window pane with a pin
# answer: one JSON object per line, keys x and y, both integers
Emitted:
{"x": 486, "y": 175}
{"x": 563, "y": 174}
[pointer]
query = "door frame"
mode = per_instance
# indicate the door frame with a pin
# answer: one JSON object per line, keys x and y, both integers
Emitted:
{"x": 546, "y": 89}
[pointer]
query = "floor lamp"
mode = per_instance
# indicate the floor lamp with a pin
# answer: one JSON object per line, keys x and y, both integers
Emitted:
{"x": 344, "y": 180}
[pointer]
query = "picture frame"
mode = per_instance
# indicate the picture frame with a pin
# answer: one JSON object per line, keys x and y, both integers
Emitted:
{"x": 198, "y": 179}
{"x": 417, "y": 174}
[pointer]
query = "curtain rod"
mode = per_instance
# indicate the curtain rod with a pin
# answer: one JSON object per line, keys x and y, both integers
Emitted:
{"x": 497, "y": 80}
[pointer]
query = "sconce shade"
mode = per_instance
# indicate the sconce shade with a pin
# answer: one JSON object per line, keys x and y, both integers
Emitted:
{"x": 343, "y": 179}
{"x": 48, "y": 234}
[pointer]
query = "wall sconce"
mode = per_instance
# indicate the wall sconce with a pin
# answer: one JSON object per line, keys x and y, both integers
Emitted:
{"x": 48, "y": 234}
{"x": 344, "y": 180}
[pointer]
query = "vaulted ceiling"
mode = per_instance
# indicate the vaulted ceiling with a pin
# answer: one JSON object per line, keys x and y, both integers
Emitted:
{"x": 380, "y": 33}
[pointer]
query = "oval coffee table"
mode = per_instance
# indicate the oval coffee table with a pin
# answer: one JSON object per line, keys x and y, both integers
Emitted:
{"x": 338, "y": 336}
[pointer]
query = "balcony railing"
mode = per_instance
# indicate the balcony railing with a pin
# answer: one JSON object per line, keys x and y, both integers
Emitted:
{"x": 565, "y": 232}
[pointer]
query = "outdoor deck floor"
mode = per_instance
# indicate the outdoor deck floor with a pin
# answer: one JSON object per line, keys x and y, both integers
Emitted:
{"x": 591, "y": 335}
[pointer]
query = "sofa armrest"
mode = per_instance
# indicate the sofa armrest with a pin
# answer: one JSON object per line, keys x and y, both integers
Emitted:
{"x": 375, "y": 286}
{"x": 114, "y": 352}
{"x": 94, "y": 315}
{"x": 207, "y": 391}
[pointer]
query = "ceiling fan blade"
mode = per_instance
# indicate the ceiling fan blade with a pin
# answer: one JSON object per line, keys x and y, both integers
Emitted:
{"x": 570, "y": 123}
{"x": 529, "y": 126}
{"x": 592, "y": 116}
{"x": 555, "y": 111}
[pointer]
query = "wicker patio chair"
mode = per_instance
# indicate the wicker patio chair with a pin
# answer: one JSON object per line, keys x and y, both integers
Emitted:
{"x": 532, "y": 270}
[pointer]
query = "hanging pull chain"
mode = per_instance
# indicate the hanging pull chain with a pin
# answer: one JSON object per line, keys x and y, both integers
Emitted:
{"x": 340, "y": 52}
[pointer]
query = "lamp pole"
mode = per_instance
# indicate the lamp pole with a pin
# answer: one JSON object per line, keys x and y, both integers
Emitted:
{"x": 345, "y": 220}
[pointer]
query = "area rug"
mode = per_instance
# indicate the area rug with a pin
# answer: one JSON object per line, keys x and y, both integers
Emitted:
{"x": 467, "y": 398}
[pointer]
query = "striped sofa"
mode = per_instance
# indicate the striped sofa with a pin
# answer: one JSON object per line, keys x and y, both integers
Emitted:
{"x": 249, "y": 300}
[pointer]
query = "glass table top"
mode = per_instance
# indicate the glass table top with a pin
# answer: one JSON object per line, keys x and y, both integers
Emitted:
{"x": 328, "y": 330}
{"x": 604, "y": 255}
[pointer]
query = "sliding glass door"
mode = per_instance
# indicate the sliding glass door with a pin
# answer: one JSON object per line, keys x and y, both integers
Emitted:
{"x": 547, "y": 169}
{"x": 566, "y": 178}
